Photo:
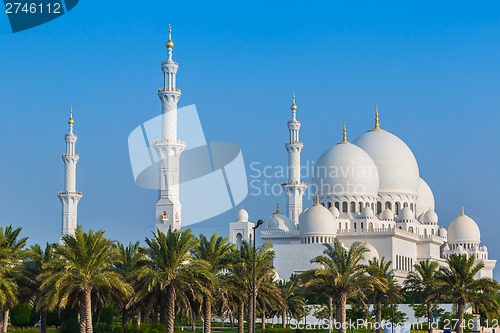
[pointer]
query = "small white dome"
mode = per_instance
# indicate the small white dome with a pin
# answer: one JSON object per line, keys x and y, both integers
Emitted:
{"x": 406, "y": 214}
{"x": 317, "y": 220}
{"x": 367, "y": 212}
{"x": 242, "y": 216}
{"x": 463, "y": 229}
{"x": 335, "y": 212}
{"x": 443, "y": 232}
{"x": 345, "y": 169}
{"x": 387, "y": 215}
{"x": 397, "y": 166}
{"x": 371, "y": 254}
{"x": 425, "y": 200}
{"x": 430, "y": 217}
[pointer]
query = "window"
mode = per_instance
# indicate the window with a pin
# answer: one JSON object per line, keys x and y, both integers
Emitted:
{"x": 398, "y": 208}
{"x": 388, "y": 205}
{"x": 353, "y": 207}
{"x": 360, "y": 207}
{"x": 379, "y": 208}
{"x": 370, "y": 226}
{"x": 337, "y": 205}
{"x": 344, "y": 207}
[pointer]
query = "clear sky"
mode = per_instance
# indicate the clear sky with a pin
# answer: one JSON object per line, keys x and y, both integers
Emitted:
{"x": 433, "y": 67}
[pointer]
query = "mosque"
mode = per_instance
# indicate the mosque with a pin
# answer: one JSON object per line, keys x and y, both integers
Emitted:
{"x": 368, "y": 190}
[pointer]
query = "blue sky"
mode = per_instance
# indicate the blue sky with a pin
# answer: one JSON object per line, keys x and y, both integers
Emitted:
{"x": 433, "y": 67}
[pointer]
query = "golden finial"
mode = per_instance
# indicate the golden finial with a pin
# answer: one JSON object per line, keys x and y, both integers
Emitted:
{"x": 71, "y": 121}
{"x": 316, "y": 200}
{"x": 170, "y": 44}
{"x": 344, "y": 138}
{"x": 294, "y": 106}
{"x": 377, "y": 121}
{"x": 463, "y": 211}
{"x": 277, "y": 208}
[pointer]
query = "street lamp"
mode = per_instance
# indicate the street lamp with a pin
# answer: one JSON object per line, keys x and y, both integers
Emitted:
{"x": 254, "y": 282}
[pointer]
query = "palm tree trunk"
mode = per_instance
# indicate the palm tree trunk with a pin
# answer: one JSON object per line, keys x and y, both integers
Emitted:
{"x": 460, "y": 316}
{"x": 251, "y": 314}
{"x": 139, "y": 318}
{"x": 81, "y": 317}
{"x": 283, "y": 318}
{"x": 264, "y": 319}
{"x": 88, "y": 310}
{"x": 124, "y": 316}
{"x": 5, "y": 320}
{"x": 378, "y": 316}
{"x": 241, "y": 317}
{"x": 43, "y": 319}
{"x": 207, "y": 314}
{"x": 170, "y": 309}
{"x": 341, "y": 312}
{"x": 2, "y": 318}
{"x": 193, "y": 320}
{"x": 430, "y": 318}
{"x": 330, "y": 313}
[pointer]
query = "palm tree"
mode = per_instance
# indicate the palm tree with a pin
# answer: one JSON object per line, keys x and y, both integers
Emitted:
{"x": 340, "y": 272}
{"x": 171, "y": 270}
{"x": 457, "y": 281}
{"x": 382, "y": 285}
{"x": 216, "y": 252}
{"x": 293, "y": 301}
{"x": 11, "y": 255}
{"x": 83, "y": 263}
{"x": 421, "y": 283}
{"x": 240, "y": 273}
{"x": 36, "y": 257}
{"x": 132, "y": 256}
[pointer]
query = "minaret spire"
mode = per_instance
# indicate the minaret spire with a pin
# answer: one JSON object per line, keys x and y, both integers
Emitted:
{"x": 70, "y": 197}
{"x": 377, "y": 120}
{"x": 294, "y": 188}
{"x": 169, "y": 148}
{"x": 344, "y": 138}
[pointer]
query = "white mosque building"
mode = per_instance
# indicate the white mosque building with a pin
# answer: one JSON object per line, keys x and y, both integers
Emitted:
{"x": 369, "y": 191}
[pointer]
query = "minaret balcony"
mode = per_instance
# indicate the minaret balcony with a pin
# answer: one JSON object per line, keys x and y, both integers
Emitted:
{"x": 168, "y": 62}
{"x": 169, "y": 90}
{"x": 169, "y": 142}
{"x": 294, "y": 183}
{"x": 69, "y": 193}
{"x": 295, "y": 143}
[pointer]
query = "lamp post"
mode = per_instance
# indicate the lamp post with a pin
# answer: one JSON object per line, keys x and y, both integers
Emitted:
{"x": 254, "y": 282}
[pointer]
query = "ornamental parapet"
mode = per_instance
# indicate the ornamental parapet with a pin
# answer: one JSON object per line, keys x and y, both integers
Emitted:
{"x": 169, "y": 90}
{"x": 294, "y": 183}
{"x": 69, "y": 193}
{"x": 169, "y": 141}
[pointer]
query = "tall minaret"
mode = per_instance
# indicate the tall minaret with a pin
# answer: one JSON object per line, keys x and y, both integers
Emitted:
{"x": 70, "y": 197}
{"x": 169, "y": 148}
{"x": 294, "y": 188}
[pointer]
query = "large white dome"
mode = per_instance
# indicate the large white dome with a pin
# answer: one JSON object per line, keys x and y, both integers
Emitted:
{"x": 397, "y": 166}
{"x": 346, "y": 169}
{"x": 317, "y": 220}
{"x": 425, "y": 199}
{"x": 463, "y": 229}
